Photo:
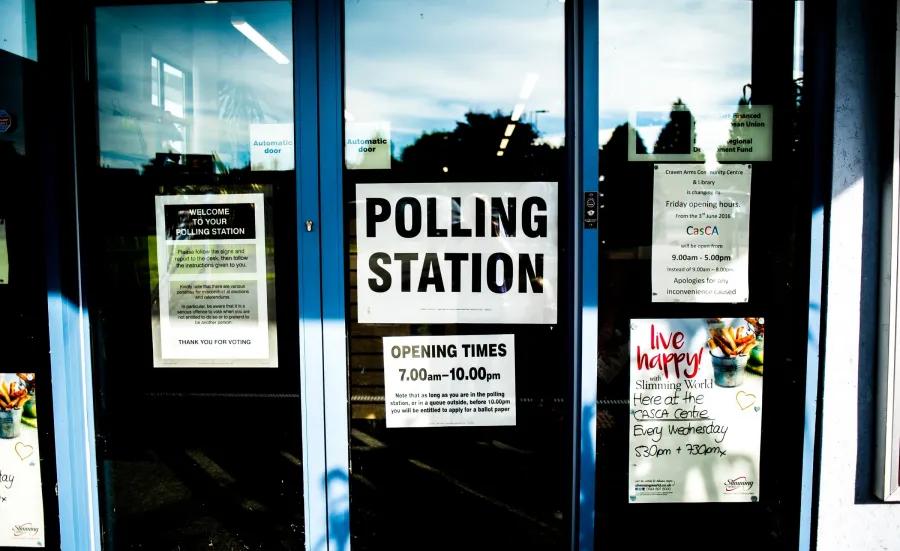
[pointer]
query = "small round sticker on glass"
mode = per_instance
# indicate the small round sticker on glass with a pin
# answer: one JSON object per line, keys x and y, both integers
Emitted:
{"x": 5, "y": 121}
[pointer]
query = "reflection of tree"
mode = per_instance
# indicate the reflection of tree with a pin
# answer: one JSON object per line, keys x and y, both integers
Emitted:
{"x": 238, "y": 108}
{"x": 627, "y": 191}
{"x": 469, "y": 152}
{"x": 678, "y": 135}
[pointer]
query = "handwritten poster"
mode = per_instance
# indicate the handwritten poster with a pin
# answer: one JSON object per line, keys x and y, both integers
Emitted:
{"x": 696, "y": 410}
{"x": 21, "y": 501}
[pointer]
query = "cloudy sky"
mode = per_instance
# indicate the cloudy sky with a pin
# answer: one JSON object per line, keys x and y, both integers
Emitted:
{"x": 421, "y": 64}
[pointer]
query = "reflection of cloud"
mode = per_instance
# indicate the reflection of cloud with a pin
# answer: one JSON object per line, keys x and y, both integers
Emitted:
{"x": 427, "y": 76}
{"x": 655, "y": 51}
{"x": 448, "y": 60}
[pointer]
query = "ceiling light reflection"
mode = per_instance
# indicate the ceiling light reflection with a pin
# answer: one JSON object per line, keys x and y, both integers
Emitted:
{"x": 528, "y": 86}
{"x": 503, "y": 143}
{"x": 260, "y": 41}
{"x": 517, "y": 111}
{"x": 499, "y": 153}
{"x": 509, "y": 130}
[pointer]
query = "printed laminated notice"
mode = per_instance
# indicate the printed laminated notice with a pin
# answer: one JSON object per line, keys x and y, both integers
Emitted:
{"x": 272, "y": 146}
{"x": 701, "y": 233}
{"x": 450, "y": 381}
{"x": 21, "y": 498}
{"x": 457, "y": 252}
{"x": 368, "y": 145}
{"x": 216, "y": 302}
{"x": 696, "y": 410}
{"x": 4, "y": 254}
{"x": 680, "y": 133}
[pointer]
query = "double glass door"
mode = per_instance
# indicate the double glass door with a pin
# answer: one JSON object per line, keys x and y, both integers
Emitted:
{"x": 207, "y": 248}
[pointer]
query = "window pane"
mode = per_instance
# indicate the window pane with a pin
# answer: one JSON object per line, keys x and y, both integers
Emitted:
{"x": 199, "y": 411}
{"x": 18, "y": 35}
{"x": 699, "y": 127}
{"x": 457, "y": 111}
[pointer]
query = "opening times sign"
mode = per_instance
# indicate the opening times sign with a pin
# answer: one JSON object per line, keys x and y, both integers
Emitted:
{"x": 457, "y": 252}
{"x": 450, "y": 381}
{"x": 212, "y": 267}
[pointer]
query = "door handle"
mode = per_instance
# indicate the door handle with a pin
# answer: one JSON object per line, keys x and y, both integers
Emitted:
{"x": 309, "y": 225}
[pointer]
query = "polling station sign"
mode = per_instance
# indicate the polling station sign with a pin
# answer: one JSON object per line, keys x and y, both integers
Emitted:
{"x": 474, "y": 252}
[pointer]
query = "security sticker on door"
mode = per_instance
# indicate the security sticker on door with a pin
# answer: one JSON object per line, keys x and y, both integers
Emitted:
{"x": 463, "y": 380}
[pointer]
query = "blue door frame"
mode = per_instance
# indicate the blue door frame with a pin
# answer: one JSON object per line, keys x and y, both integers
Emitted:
{"x": 318, "y": 66}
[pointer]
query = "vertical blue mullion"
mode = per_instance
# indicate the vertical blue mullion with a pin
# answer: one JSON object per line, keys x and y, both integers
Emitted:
{"x": 71, "y": 376}
{"x": 309, "y": 285}
{"x": 588, "y": 25}
{"x": 333, "y": 289}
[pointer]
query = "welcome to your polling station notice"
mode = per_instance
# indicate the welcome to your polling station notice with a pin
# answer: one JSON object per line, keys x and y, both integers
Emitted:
{"x": 214, "y": 304}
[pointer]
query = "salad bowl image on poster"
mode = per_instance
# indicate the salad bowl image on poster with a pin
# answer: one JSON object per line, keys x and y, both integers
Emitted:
{"x": 21, "y": 500}
{"x": 695, "y": 410}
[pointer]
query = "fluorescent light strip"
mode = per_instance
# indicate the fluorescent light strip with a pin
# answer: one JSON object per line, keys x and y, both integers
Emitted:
{"x": 528, "y": 86}
{"x": 261, "y": 42}
{"x": 517, "y": 111}
{"x": 509, "y": 130}
{"x": 503, "y": 143}
{"x": 499, "y": 153}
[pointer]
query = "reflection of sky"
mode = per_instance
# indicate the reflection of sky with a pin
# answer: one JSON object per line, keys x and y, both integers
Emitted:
{"x": 421, "y": 64}
{"x": 201, "y": 41}
{"x": 18, "y": 33}
{"x": 653, "y": 52}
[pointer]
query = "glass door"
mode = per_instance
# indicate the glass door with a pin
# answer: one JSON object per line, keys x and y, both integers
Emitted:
{"x": 191, "y": 236}
{"x": 704, "y": 159}
{"x": 454, "y": 170}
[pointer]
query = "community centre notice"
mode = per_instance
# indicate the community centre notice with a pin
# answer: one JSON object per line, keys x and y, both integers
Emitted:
{"x": 214, "y": 306}
{"x": 695, "y": 410}
{"x": 701, "y": 233}
{"x": 457, "y": 252}
{"x": 450, "y": 381}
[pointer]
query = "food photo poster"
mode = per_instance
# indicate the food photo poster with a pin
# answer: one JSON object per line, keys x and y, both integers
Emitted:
{"x": 21, "y": 499}
{"x": 696, "y": 406}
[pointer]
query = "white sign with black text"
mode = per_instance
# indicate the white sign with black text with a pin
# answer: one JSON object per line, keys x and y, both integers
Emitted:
{"x": 212, "y": 266}
{"x": 463, "y": 380}
{"x": 457, "y": 252}
{"x": 701, "y": 233}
